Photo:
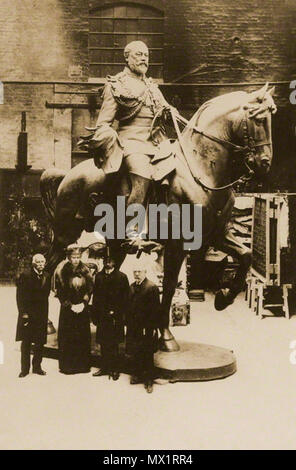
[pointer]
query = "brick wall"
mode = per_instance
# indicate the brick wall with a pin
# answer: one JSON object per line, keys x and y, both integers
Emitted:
{"x": 228, "y": 41}
{"x": 30, "y": 98}
{"x": 40, "y": 40}
{"x": 232, "y": 41}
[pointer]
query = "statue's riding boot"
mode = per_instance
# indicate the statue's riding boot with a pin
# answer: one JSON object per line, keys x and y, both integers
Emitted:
{"x": 136, "y": 239}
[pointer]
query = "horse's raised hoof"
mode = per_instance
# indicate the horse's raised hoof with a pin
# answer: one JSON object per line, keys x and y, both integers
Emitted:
{"x": 222, "y": 299}
{"x": 167, "y": 342}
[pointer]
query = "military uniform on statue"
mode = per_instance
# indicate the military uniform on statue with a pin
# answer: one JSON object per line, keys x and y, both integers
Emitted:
{"x": 110, "y": 305}
{"x": 33, "y": 288}
{"x": 143, "y": 320}
{"x": 136, "y": 102}
{"x": 74, "y": 287}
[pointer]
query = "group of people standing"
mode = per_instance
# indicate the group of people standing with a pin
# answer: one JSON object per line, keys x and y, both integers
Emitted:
{"x": 115, "y": 305}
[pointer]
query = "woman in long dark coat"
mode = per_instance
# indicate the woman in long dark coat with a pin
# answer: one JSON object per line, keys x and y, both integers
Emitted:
{"x": 74, "y": 287}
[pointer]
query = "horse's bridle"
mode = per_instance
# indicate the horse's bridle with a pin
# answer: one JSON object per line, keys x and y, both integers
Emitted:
{"x": 248, "y": 150}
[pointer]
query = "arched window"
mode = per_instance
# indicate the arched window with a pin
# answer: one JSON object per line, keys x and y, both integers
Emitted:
{"x": 112, "y": 27}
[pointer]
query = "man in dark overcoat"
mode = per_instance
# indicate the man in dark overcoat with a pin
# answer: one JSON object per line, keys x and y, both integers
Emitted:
{"x": 143, "y": 320}
{"x": 33, "y": 288}
{"x": 110, "y": 305}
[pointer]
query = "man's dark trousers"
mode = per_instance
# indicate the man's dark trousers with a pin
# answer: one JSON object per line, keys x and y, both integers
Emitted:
{"x": 25, "y": 356}
{"x": 109, "y": 355}
{"x": 143, "y": 356}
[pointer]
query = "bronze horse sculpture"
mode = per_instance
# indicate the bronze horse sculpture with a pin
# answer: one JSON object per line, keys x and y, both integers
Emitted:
{"x": 231, "y": 130}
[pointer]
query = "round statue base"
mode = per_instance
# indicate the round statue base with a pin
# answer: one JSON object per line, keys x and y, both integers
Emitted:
{"x": 195, "y": 362}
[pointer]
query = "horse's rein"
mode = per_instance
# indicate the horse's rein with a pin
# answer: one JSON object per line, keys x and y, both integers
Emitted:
{"x": 242, "y": 178}
{"x": 248, "y": 149}
{"x": 250, "y": 143}
{"x": 236, "y": 148}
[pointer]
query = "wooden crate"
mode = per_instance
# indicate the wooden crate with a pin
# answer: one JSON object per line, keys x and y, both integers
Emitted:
{"x": 266, "y": 246}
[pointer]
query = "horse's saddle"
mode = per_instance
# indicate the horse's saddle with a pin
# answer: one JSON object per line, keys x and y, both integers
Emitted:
{"x": 164, "y": 161}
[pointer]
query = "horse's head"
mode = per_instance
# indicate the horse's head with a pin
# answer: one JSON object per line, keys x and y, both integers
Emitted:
{"x": 252, "y": 128}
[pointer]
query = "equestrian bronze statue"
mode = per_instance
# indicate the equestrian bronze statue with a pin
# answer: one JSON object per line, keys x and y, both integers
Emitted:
{"x": 228, "y": 140}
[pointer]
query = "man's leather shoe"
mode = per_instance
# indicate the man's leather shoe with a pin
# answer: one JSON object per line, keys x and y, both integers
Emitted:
{"x": 149, "y": 386}
{"x": 115, "y": 375}
{"x": 39, "y": 372}
{"x": 135, "y": 380}
{"x": 100, "y": 372}
{"x": 161, "y": 381}
{"x": 23, "y": 374}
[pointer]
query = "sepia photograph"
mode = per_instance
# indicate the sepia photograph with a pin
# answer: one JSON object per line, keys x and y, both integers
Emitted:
{"x": 147, "y": 227}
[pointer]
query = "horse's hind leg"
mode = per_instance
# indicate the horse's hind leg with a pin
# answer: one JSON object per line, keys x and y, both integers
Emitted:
{"x": 233, "y": 247}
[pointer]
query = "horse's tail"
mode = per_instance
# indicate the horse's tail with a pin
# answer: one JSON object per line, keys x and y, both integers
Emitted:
{"x": 49, "y": 183}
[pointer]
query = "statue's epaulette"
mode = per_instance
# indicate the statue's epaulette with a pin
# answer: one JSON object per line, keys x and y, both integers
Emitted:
{"x": 114, "y": 78}
{"x": 120, "y": 86}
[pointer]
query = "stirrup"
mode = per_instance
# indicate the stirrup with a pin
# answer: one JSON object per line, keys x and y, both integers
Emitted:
{"x": 137, "y": 245}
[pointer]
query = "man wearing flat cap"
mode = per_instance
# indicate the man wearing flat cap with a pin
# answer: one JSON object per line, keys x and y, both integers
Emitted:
{"x": 32, "y": 291}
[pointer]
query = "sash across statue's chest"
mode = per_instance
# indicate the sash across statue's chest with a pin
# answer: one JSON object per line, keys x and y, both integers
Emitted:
{"x": 132, "y": 95}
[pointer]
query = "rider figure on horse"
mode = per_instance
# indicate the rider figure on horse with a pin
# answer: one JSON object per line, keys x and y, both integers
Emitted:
{"x": 135, "y": 101}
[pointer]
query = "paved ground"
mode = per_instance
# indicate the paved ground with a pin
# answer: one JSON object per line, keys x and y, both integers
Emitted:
{"x": 253, "y": 409}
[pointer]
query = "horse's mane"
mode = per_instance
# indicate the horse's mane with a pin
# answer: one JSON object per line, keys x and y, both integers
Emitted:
{"x": 225, "y": 103}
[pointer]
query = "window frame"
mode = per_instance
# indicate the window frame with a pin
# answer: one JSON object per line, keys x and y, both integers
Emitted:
{"x": 97, "y": 14}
